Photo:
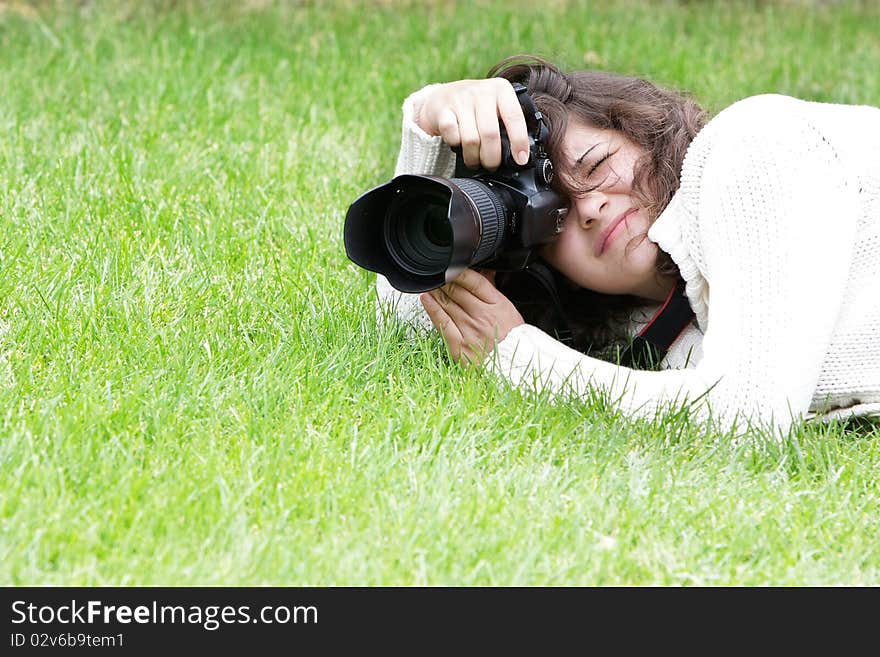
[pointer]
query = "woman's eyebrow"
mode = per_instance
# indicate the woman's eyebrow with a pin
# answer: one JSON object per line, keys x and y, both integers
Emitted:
{"x": 580, "y": 160}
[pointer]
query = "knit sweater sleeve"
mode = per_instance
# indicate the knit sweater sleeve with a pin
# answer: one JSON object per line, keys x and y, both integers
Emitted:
{"x": 765, "y": 213}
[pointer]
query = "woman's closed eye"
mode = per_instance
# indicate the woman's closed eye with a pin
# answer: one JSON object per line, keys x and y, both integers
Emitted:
{"x": 599, "y": 172}
{"x": 595, "y": 167}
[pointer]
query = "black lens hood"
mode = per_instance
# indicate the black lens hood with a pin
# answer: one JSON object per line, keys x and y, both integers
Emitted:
{"x": 364, "y": 234}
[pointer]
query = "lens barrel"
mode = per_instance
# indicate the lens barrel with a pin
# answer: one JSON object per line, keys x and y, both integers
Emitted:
{"x": 491, "y": 216}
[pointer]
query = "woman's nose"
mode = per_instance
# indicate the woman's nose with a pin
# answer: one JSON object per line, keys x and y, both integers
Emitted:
{"x": 590, "y": 208}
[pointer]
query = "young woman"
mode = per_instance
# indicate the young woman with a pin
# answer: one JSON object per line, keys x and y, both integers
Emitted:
{"x": 769, "y": 213}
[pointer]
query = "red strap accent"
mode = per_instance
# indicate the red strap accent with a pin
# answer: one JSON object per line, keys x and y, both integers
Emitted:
{"x": 657, "y": 314}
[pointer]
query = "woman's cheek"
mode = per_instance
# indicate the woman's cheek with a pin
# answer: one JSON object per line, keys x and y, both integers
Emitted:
{"x": 561, "y": 254}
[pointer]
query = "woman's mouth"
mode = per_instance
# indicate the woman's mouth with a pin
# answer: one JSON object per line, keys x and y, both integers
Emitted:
{"x": 614, "y": 229}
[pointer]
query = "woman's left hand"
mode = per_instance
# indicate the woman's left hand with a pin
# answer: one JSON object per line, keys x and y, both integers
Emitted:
{"x": 471, "y": 315}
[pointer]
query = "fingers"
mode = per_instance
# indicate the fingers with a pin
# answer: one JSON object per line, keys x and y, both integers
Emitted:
{"x": 471, "y": 283}
{"x": 456, "y": 303}
{"x": 447, "y": 127}
{"x": 469, "y": 130}
{"x": 466, "y": 113}
{"x": 511, "y": 114}
{"x": 441, "y": 321}
{"x": 469, "y": 124}
{"x": 448, "y": 318}
{"x": 471, "y": 315}
{"x": 489, "y": 146}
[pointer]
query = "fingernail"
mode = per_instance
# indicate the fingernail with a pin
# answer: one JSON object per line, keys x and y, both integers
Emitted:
{"x": 522, "y": 157}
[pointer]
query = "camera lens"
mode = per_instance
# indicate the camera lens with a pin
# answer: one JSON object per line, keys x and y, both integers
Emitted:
{"x": 418, "y": 233}
{"x": 437, "y": 228}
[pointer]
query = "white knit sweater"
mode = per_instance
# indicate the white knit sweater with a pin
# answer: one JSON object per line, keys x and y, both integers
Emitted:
{"x": 778, "y": 214}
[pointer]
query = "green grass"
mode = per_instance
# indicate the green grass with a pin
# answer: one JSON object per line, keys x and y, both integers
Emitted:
{"x": 193, "y": 389}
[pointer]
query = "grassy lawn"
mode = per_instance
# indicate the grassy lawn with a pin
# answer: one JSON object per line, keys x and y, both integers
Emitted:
{"x": 193, "y": 389}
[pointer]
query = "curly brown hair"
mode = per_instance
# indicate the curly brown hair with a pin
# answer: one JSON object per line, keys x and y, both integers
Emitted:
{"x": 663, "y": 122}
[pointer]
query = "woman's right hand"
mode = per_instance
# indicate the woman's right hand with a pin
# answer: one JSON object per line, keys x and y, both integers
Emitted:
{"x": 466, "y": 113}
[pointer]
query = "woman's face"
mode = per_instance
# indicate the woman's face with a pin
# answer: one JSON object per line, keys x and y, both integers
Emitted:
{"x": 596, "y": 249}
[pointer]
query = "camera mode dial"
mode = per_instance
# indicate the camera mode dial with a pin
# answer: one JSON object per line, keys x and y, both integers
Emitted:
{"x": 544, "y": 170}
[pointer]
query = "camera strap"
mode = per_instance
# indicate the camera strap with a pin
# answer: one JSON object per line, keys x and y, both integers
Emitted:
{"x": 542, "y": 274}
{"x": 649, "y": 347}
{"x": 533, "y": 290}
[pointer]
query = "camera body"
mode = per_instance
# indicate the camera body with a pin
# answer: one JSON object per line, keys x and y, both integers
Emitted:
{"x": 421, "y": 232}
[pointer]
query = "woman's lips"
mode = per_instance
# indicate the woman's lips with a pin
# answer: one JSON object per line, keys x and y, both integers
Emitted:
{"x": 613, "y": 230}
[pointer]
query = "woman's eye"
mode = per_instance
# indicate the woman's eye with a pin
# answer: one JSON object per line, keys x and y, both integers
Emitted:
{"x": 597, "y": 166}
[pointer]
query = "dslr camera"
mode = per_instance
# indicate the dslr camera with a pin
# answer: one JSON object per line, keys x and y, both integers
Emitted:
{"x": 421, "y": 232}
